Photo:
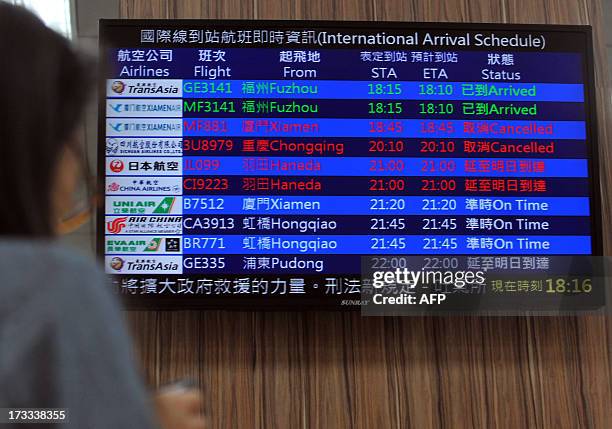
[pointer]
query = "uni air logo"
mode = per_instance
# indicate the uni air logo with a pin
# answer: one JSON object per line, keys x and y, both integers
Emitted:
{"x": 165, "y": 206}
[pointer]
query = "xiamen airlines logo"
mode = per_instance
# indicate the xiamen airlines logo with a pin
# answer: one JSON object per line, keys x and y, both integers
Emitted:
{"x": 116, "y": 225}
{"x": 118, "y": 87}
{"x": 117, "y": 127}
{"x": 116, "y": 166}
{"x": 116, "y": 107}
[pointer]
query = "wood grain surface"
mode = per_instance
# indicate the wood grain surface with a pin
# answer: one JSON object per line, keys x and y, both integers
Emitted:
{"x": 340, "y": 370}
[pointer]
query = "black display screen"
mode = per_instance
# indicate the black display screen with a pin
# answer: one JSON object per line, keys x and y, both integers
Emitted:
{"x": 260, "y": 164}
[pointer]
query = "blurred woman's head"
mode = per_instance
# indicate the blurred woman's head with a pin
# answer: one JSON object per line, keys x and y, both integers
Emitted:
{"x": 45, "y": 86}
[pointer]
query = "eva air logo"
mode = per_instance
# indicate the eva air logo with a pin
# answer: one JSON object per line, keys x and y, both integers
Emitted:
{"x": 153, "y": 245}
{"x": 165, "y": 206}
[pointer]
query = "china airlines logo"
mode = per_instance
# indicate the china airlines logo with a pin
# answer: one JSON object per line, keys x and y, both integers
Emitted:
{"x": 115, "y": 226}
{"x": 114, "y": 187}
{"x": 116, "y": 166}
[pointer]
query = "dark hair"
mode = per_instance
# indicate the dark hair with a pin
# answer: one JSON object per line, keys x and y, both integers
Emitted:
{"x": 45, "y": 86}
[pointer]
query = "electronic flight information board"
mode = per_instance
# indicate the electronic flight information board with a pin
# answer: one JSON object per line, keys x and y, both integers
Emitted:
{"x": 280, "y": 163}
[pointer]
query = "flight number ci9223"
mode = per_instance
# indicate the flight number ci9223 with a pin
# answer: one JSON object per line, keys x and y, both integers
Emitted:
{"x": 205, "y": 184}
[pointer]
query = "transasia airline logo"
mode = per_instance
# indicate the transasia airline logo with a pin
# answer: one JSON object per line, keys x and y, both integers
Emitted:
{"x": 118, "y": 87}
{"x": 152, "y": 265}
{"x": 163, "y": 207}
{"x": 144, "y": 265}
{"x": 117, "y": 263}
{"x": 151, "y": 88}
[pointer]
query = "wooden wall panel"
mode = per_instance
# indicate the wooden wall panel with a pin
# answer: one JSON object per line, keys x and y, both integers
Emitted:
{"x": 340, "y": 370}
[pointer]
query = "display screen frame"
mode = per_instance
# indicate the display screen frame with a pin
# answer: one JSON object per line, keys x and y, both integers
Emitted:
{"x": 109, "y": 38}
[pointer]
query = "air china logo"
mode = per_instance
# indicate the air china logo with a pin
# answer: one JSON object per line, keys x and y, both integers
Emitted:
{"x": 131, "y": 225}
{"x": 118, "y": 87}
{"x": 116, "y": 166}
{"x": 115, "y": 226}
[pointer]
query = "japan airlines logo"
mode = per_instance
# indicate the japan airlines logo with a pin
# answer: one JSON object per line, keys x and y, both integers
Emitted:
{"x": 116, "y": 166}
{"x": 118, "y": 87}
{"x": 116, "y": 263}
{"x": 115, "y": 226}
